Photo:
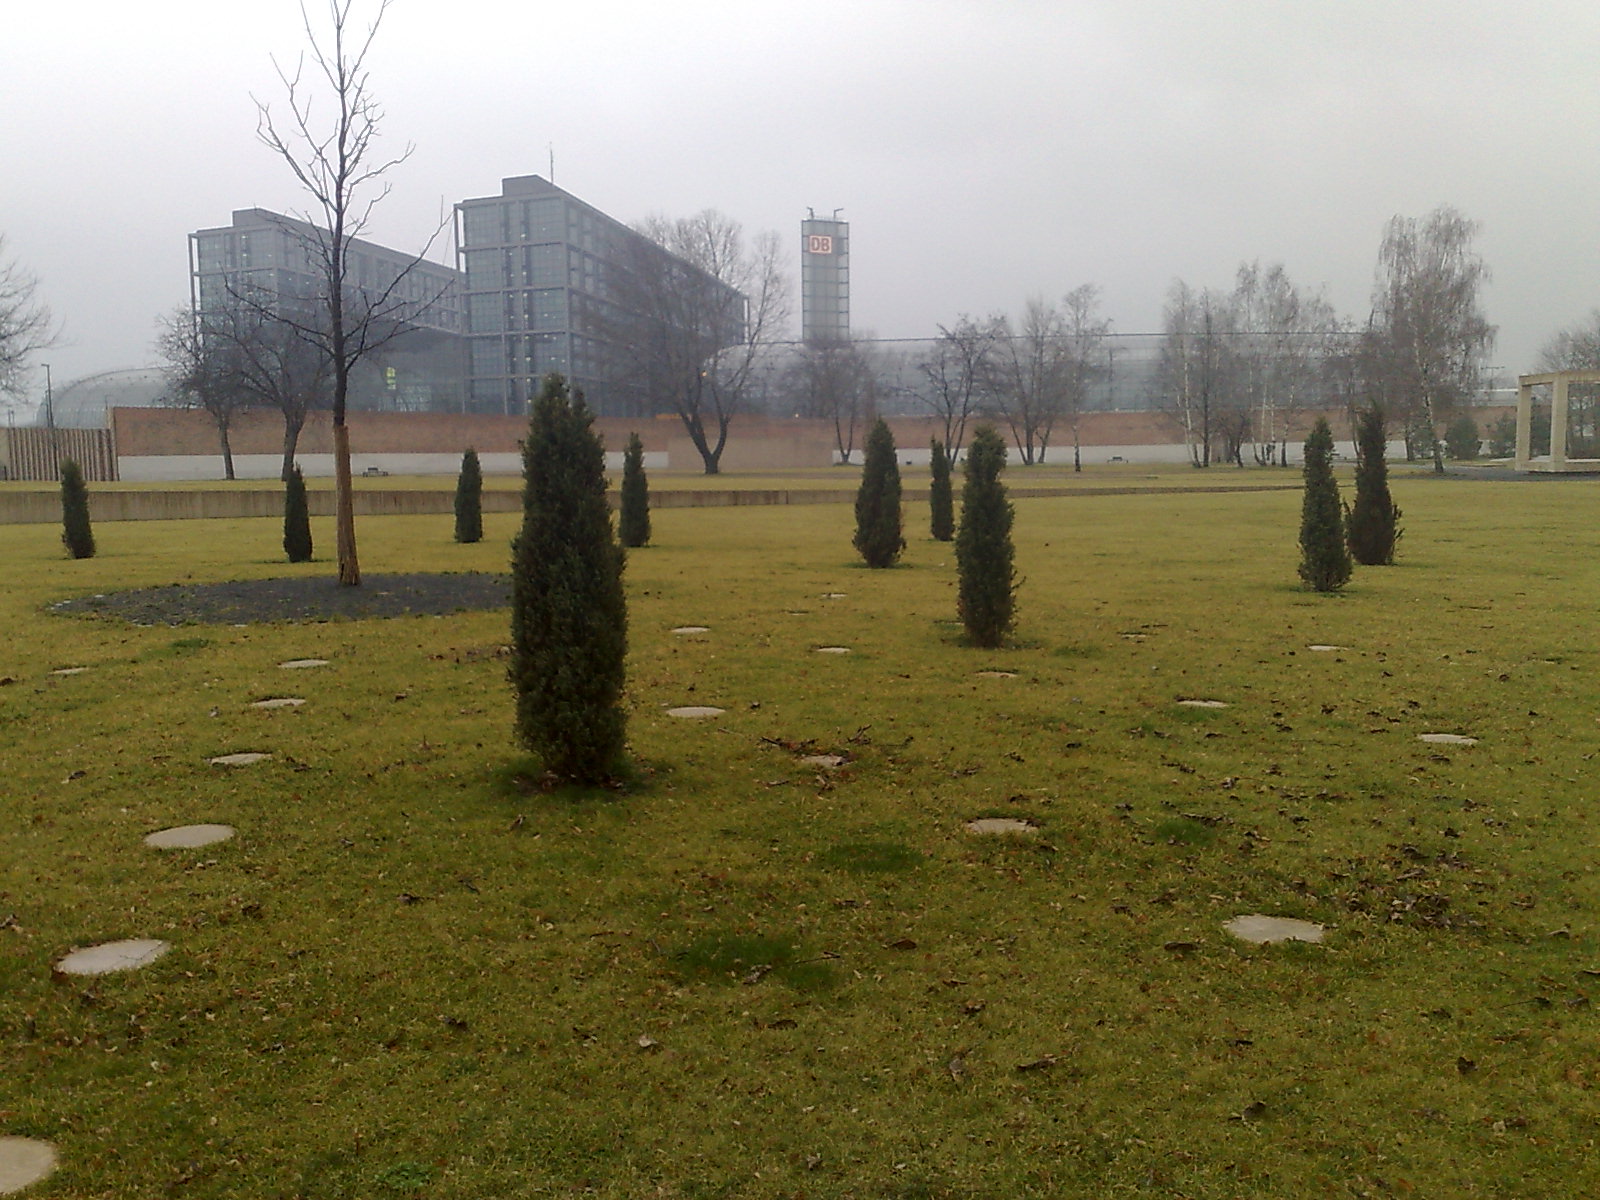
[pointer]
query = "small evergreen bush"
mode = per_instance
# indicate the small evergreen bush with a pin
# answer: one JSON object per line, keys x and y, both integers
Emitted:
{"x": 569, "y": 619}
{"x": 984, "y": 553}
{"x": 76, "y": 533}
{"x": 878, "y": 537}
{"x": 634, "y": 518}
{"x": 941, "y": 497}
{"x": 296, "y": 518}
{"x": 1324, "y": 559}
{"x": 1372, "y": 526}
{"x": 1462, "y": 440}
{"x": 469, "y": 499}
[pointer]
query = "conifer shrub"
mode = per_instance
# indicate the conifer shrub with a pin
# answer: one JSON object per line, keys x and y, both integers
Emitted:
{"x": 984, "y": 553}
{"x": 878, "y": 536}
{"x": 76, "y": 533}
{"x": 941, "y": 497}
{"x": 634, "y": 518}
{"x": 1324, "y": 558}
{"x": 569, "y": 620}
{"x": 469, "y": 499}
{"x": 1372, "y": 526}
{"x": 1462, "y": 440}
{"x": 296, "y": 518}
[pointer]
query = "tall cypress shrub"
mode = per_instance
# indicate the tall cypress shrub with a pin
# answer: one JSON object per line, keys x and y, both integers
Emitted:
{"x": 1324, "y": 558}
{"x": 296, "y": 518}
{"x": 634, "y": 519}
{"x": 76, "y": 534}
{"x": 941, "y": 497}
{"x": 469, "y": 499}
{"x": 878, "y": 536}
{"x": 984, "y": 554}
{"x": 1372, "y": 527}
{"x": 569, "y": 619}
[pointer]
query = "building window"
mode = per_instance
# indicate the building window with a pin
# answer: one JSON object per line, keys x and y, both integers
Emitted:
{"x": 484, "y": 313}
{"x": 482, "y": 226}
{"x": 548, "y": 310}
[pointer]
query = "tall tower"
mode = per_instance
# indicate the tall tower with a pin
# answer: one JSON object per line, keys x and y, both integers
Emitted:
{"x": 825, "y": 279}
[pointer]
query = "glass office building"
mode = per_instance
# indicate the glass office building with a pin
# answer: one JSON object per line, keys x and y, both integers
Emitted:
{"x": 546, "y": 280}
{"x": 277, "y": 259}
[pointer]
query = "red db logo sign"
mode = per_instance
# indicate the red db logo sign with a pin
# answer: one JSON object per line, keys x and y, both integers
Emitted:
{"x": 819, "y": 243}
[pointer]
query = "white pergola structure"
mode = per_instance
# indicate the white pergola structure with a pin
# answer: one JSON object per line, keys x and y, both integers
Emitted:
{"x": 1556, "y": 460}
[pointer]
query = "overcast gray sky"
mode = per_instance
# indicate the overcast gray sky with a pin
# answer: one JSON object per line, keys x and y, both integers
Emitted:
{"x": 982, "y": 151}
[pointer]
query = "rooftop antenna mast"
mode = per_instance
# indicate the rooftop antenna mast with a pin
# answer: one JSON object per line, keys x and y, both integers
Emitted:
{"x": 552, "y": 148}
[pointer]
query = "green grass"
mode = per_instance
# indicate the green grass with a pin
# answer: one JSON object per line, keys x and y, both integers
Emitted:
{"x": 414, "y": 974}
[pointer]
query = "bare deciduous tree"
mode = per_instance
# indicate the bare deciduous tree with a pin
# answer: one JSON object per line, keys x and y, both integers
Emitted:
{"x": 1084, "y": 332}
{"x": 1028, "y": 377}
{"x": 954, "y": 375}
{"x": 335, "y": 160}
{"x": 1425, "y": 312}
{"x": 25, "y": 324}
{"x": 1279, "y": 349}
{"x": 1195, "y": 366}
{"x": 837, "y": 381}
{"x": 695, "y": 312}
{"x": 202, "y": 373}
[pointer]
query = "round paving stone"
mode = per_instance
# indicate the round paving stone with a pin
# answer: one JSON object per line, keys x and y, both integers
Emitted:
{"x": 684, "y": 629}
{"x": 1264, "y": 930}
{"x": 23, "y": 1162}
{"x": 833, "y": 595}
{"x": 833, "y": 649}
{"x": 1447, "y": 739}
{"x": 1001, "y": 825}
{"x": 823, "y": 760}
{"x": 997, "y": 674}
{"x": 1325, "y": 649}
{"x": 279, "y": 702}
{"x": 69, "y": 670}
{"x": 691, "y": 711}
{"x": 248, "y": 758}
{"x": 300, "y": 664}
{"x": 1204, "y": 703}
{"x": 186, "y": 837}
{"x": 128, "y": 955}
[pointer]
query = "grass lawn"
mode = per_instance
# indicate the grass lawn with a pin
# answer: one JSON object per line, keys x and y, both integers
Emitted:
{"x": 411, "y": 974}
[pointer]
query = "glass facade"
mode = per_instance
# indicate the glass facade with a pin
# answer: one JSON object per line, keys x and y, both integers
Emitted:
{"x": 537, "y": 263}
{"x": 277, "y": 262}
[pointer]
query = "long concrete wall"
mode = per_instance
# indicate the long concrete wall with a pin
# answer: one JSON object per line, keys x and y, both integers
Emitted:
{"x": 33, "y": 508}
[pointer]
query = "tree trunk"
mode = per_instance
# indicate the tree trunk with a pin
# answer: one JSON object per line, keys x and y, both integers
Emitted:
{"x": 344, "y": 509}
{"x": 227, "y": 450}
{"x": 291, "y": 439}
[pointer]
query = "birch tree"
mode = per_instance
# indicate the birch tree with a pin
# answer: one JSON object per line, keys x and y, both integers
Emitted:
{"x": 1426, "y": 312}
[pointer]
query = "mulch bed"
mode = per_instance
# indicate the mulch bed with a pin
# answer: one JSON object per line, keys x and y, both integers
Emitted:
{"x": 311, "y": 598}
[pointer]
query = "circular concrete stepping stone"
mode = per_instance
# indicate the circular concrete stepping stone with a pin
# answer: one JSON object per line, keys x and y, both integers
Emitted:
{"x": 692, "y": 711}
{"x": 23, "y": 1162}
{"x": 129, "y": 955}
{"x": 833, "y": 649}
{"x": 1447, "y": 739}
{"x": 1321, "y": 648}
{"x": 186, "y": 837}
{"x": 1204, "y": 703}
{"x": 997, "y": 674}
{"x": 248, "y": 758}
{"x": 69, "y": 670}
{"x": 1265, "y": 930}
{"x": 279, "y": 702}
{"x": 830, "y": 761}
{"x": 685, "y": 629}
{"x": 300, "y": 664}
{"x": 1001, "y": 825}
{"x": 833, "y": 595}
